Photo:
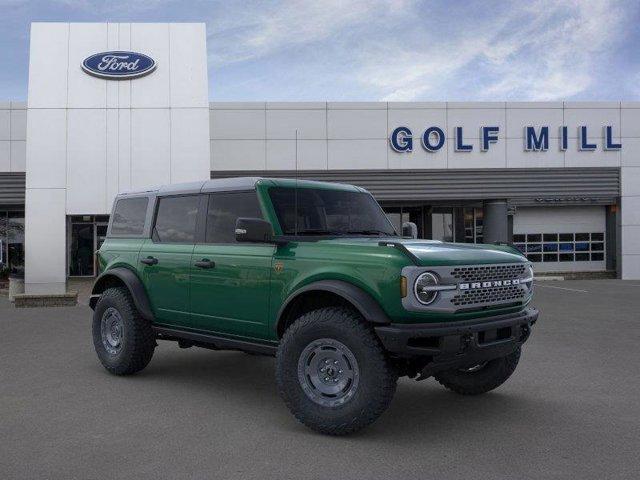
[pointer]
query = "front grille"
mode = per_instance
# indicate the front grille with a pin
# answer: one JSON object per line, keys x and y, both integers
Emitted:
{"x": 502, "y": 294}
{"x": 478, "y": 273}
{"x": 473, "y": 287}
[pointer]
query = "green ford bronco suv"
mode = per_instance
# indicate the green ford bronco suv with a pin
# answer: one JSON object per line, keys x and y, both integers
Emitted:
{"x": 316, "y": 275}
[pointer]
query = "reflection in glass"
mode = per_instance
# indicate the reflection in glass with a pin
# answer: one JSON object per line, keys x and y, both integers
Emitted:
{"x": 442, "y": 226}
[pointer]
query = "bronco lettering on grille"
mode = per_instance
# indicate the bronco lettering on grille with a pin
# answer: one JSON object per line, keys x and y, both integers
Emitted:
{"x": 489, "y": 284}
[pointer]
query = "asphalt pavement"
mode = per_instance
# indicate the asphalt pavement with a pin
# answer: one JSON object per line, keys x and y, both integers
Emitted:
{"x": 571, "y": 410}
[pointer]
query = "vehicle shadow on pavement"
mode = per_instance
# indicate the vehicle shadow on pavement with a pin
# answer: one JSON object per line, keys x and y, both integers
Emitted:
{"x": 246, "y": 383}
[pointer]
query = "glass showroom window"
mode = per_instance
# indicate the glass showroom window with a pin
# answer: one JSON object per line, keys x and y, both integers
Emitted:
{"x": 4, "y": 267}
{"x": 473, "y": 220}
{"x": 11, "y": 243}
{"x": 561, "y": 247}
{"x": 398, "y": 215}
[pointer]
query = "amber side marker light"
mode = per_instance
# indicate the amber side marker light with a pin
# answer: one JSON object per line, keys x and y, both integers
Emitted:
{"x": 403, "y": 287}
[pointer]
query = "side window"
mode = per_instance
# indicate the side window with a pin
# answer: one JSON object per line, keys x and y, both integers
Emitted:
{"x": 176, "y": 219}
{"x": 224, "y": 209}
{"x": 129, "y": 216}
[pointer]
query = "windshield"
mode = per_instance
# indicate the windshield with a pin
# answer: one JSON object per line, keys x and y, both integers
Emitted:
{"x": 328, "y": 212}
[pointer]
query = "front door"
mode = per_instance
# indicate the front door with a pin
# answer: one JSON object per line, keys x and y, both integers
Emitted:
{"x": 165, "y": 259}
{"x": 230, "y": 281}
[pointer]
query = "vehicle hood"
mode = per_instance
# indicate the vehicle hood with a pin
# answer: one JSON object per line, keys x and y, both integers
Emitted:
{"x": 433, "y": 252}
{"x": 437, "y": 253}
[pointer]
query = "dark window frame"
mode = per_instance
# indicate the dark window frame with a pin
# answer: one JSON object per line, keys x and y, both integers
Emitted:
{"x": 197, "y": 233}
{"x": 205, "y": 215}
{"x": 112, "y": 217}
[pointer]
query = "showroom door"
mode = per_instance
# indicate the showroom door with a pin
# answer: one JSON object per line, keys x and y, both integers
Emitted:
{"x": 82, "y": 247}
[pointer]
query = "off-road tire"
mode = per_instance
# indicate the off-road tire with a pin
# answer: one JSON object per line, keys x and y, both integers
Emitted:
{"x": 137, "y": 342}
{"x": 487, "y": 378}
{"x": 377, "y": 377}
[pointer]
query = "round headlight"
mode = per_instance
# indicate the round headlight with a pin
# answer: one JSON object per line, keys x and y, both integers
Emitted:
{"x": 530, "y": 276}
{"x": 422, "y": 288}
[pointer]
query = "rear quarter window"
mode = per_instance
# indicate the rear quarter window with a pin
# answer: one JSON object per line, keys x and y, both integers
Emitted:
{"x": 129, "y": 216}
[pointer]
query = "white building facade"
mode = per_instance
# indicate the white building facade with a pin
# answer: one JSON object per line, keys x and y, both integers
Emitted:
{"x": 561, "y": 180}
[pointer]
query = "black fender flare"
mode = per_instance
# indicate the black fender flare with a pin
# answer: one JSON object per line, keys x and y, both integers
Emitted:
{"x": 366, "y": 305}
{"x": 133, "y": 284}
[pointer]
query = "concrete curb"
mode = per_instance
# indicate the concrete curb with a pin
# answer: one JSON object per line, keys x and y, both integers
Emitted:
{"x": 23, "y": 300}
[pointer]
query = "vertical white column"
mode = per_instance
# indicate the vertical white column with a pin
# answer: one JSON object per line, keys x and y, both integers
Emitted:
{"x": 630, "y": 224}
{"x": 190, "y": 157}
{"x": 45, "y": 204}
{"x": 630, "y": 199}
{"x": 45, "y": 241}
{"x": 112, "y": 129}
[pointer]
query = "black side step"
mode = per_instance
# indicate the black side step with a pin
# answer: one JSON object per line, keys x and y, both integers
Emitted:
{"x": 215, "y": 342}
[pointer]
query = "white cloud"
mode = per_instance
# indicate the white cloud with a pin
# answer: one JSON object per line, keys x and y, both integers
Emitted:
{"x": 257, "y": 30}
{"x": 407, "y": 50}
{"x": 569, "y": 50}
{"x": 546, "y": 50}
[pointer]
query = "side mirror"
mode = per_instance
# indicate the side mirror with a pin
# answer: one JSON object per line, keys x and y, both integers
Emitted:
{"x": 409, "y": 229}
{"x": 255, "y": 230}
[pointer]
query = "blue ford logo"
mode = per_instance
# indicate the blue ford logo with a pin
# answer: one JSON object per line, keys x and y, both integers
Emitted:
{"x": 118, "y": 65}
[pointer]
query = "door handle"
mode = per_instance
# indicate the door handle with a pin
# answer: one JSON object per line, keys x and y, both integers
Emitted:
{"x": 205, "y": 263}
{"x": 149, "y": 260}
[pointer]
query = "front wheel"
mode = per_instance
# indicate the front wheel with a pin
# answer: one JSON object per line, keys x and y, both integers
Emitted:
{"x": 480, "y": 378}
{"x": 332, "y": 372}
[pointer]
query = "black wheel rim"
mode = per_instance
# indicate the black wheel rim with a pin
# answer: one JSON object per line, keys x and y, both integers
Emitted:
{"x": 112, "y": 330}
{"x": 328, "y": 372}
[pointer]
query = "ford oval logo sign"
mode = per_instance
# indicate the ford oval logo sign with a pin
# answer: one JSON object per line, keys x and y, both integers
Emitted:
{"x": 118, "y": 65}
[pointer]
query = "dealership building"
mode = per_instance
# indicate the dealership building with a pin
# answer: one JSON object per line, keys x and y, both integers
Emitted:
{"x": 114, "y": 107}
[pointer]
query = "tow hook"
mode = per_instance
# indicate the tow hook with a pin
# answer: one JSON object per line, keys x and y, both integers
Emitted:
{"x": 465, "y": 341}
{"x": 525, "y": 333}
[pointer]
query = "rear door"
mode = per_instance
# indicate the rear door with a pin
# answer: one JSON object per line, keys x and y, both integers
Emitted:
{"x": 230, "y": 281}
{"x": 165, "y": 259}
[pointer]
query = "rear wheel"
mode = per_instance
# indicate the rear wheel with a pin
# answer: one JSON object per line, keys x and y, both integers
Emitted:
{"x": 123, "y": 340}
{"x": 480, "y": 378}
{"x": 332, "y": 372}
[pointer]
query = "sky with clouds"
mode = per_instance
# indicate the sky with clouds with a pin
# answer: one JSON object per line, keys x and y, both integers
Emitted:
{"x": 364, "y": 50}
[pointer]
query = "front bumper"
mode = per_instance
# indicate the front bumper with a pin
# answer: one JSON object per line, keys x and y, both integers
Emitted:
{"x": 460, "y": 344}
